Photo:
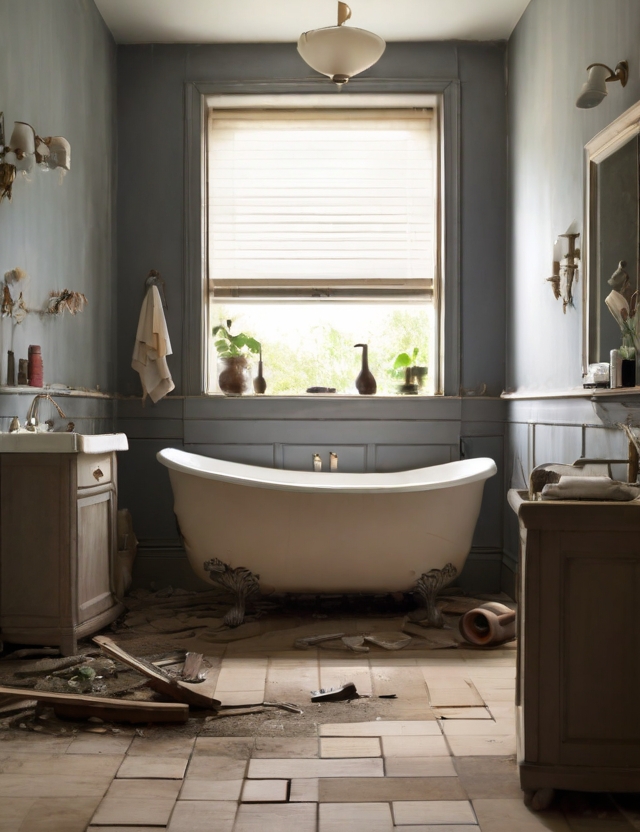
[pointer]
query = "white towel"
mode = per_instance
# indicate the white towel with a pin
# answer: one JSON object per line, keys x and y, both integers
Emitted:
{"x": 151, "y": 348}
{"x": 590, "y": 488}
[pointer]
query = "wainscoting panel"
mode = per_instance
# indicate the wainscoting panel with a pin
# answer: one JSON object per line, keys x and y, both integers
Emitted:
{"x": 390, "y": 458}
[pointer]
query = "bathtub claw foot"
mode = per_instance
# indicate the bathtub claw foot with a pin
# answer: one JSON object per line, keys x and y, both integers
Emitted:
{"x": 428, "y": 586}
{"x": 240, "y": 582}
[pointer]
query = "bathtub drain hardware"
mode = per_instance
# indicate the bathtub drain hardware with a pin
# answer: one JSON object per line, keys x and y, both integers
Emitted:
{"x": 428, "y": 585}
{"x": 240, "y": 582}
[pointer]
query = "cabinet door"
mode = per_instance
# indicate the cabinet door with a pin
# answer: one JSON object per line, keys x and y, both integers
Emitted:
{"x": 96, "y": 540}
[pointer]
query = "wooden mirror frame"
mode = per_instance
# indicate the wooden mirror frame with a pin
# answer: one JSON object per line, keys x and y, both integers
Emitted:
{"x": 601, "y": 146}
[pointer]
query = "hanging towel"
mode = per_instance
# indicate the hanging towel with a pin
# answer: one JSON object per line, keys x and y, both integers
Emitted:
{"x": 151, "y": 348}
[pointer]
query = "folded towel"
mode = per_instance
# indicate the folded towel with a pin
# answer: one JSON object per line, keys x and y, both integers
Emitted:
{"x": 151, "y": 348}
{"x": 590, "y": 488}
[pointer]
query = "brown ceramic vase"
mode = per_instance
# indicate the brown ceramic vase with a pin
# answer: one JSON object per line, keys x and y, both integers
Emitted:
{"x": 235, "y": 378}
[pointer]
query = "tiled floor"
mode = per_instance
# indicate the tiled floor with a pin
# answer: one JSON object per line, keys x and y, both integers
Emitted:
{"x": 411, "y": 772}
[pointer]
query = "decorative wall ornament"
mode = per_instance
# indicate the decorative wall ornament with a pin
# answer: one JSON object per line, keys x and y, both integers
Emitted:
{"x": 565, "y": 269}
{"x": 16, "y": 308}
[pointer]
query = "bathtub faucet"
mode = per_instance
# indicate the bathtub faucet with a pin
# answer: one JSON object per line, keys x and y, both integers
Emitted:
{"x": 333, "y": 461}
{"x": 317, "y": 462}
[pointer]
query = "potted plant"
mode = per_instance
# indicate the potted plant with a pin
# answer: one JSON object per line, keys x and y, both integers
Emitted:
{"x": 414, "y": 374}
{"x": 234, "y": 352}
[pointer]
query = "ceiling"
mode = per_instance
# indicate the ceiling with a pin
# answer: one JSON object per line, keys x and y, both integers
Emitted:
{"x": 282, "y": 21}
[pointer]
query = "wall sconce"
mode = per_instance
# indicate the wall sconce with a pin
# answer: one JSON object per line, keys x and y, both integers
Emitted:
{"x": 25, "y": 150}
{"x": 594, "y": 90}
{"x": 340, "y": 51}
{"x": 565, "y": 269}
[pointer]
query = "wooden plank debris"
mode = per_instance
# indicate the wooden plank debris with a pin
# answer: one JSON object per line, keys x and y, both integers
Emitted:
{"x": 77, "y": 706}
{"x": 158, "y": 679}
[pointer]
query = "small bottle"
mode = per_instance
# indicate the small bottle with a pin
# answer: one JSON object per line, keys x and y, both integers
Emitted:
{"x": 36, "y": 378}
{"x": 615, "y": 369}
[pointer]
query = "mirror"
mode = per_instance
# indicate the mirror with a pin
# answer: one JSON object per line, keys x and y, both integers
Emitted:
{"x": 612, "y": 226}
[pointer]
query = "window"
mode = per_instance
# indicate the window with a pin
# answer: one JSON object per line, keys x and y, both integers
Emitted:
{"x": 323, "y": 230}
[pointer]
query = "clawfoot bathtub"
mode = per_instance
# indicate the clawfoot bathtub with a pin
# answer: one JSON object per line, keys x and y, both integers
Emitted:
{"x": 246, "y": 527}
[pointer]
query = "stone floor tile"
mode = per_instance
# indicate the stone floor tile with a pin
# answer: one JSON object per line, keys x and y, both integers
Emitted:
{"x": 193, "y": 789}
{"x": 275, "y": 817}
{"x": 300, "y": 768}
{"x": 414, "y": 747}
{"x": 285, "y": 747}
{"x": 240, "y": 698}
{"x": 481, "y": 746}
{"x": 383, "y": 728}
{"x": 265, "y": 791}
{"x": 161, "y": 768}
{"x": 143, "y": 789}
{"x": 52, "y": 785}
{"x": 203, "y": 816}
{"x": 419, "y": 767}
{"x": 355, "y": 817}
{"x": 64, "y": 765}
{"x": 238, "y": 748}
{"x": 35, "y": 744}
{"x": 370, "y": 789}
{"x": 489, "y": 777}
{"x": 206, "y": 767}
{"x": 13, "y": 812}
{"x": 59, "y": 814}
{"x": 100, "y": 744}
{"x": 305, "y": 791}
{"x": 169, "y": 747}
{"x": 438, "y": 827}
{"x": 134, "y": 811}
{"x": 477, "y": 727}
{"x": 434, "y": 812}
{"x": 461, "y": 713}
{"x": 509, "y": 815}
{"x": 350, "y": 747}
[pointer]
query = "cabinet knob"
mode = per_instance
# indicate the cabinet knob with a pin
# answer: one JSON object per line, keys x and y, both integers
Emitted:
{"x": 98, "y": 473}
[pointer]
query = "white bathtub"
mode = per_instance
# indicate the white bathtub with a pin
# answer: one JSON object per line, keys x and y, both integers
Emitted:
{"x": 314, "y": 532}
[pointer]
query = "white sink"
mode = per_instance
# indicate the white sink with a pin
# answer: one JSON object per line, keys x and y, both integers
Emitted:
{"x": 61, "y": 443}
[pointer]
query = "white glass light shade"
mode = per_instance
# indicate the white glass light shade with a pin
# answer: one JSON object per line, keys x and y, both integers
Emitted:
{"x": 594, "y": 90}
{"x": 23, "y": 139}
{"x": 340, "y": 51}
{"x": 59, "y": 153}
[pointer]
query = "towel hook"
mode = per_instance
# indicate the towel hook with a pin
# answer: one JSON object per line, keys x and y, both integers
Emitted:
{"x": 154, "y": 279}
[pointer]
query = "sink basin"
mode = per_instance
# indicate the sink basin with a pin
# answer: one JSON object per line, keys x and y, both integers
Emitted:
{"x": 62, "y": 443}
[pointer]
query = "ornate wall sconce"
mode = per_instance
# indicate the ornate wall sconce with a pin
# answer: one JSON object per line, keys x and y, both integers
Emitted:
{"x": 26, "y": 150}
{"x": 594, "y": 90}
{"x": 565, "y": 269}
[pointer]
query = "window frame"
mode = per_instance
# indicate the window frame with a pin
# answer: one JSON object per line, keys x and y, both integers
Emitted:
{"x": 196, "y": 259}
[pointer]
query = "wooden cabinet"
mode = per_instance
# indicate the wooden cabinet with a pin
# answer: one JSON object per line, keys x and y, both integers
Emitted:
{"x": 579, "y": 645}
{"x": 58, "y": 543}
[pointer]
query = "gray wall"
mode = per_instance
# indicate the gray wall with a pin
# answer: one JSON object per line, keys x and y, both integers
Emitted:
{"x": 548, "y": 53}
{"x": 57, "y": 72}
{"x": 368, "y": 435}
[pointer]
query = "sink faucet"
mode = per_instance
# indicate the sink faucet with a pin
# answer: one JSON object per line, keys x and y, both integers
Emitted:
{"x": 32, "y": 413}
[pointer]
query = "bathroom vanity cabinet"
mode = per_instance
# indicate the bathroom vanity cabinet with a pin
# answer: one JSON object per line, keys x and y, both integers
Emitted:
{"x": 58, "y": 544}
{"x": 578, "y": 683}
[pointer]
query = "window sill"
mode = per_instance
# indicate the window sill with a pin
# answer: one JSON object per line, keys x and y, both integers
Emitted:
{"x": 574, "y": 393}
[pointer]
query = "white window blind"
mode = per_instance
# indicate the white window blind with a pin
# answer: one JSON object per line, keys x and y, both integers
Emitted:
{"x": 321, "y": 203}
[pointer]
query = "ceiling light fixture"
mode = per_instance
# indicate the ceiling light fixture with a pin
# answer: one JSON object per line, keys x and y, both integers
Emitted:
{"x": 340, "y": 51}
{"x": 594, "y": 90}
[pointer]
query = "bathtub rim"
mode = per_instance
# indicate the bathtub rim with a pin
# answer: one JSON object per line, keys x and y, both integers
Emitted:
{"x": 445, "y": 475}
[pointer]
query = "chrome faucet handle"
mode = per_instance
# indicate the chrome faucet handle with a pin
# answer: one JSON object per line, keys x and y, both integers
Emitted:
{"x": 317, "y": 462}
{"x": 333, "y": 461}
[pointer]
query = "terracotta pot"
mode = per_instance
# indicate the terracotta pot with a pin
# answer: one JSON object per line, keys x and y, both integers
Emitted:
{"x": 490, "y": 623}
{"x": 235, "y": 378}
